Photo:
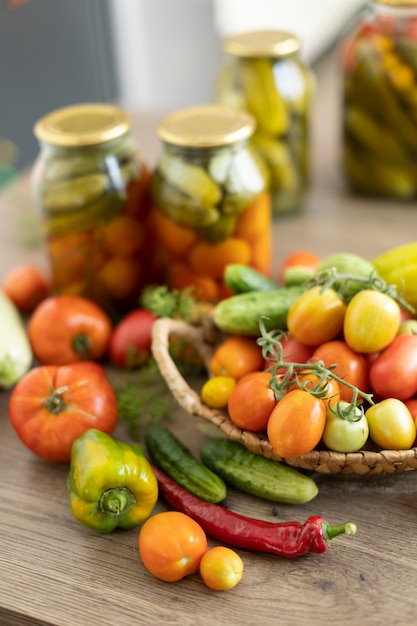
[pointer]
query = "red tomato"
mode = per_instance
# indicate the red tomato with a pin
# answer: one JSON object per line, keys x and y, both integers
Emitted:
{"x": 296, "y": 424}
{"x": 171, "y": 545}
{"x": 130, "y": 342}
{"x": 300, "y": 260}
{"x": 26, "y": 286}
{"x": 251, "y": 401}
{"x": 411, "y": 405}
{"x": 51, "y": 406}
{"x": 67, "y": 329}
{"x": 292, "y": 351}
{"x": 393, "y": 374}
{"x": 316, "y": 316}
{"x": 350, "y": 366}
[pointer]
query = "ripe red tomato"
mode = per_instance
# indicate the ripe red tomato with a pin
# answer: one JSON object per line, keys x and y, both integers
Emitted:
{"x": 251, "y": 401}
{"x": 131, "y": 340}
{"x": 51, "y": 406}
{"x": 350, "y": 366}
{"x": 316, "y": 316}
{"x": 26, "y": 286}
{"x": 393, "y": 374}
{"x": 67, "y": 329}
{"x": 296, "y": 424}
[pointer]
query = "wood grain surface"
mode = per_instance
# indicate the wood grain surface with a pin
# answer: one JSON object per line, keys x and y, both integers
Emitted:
{"x": 55, "y": 572}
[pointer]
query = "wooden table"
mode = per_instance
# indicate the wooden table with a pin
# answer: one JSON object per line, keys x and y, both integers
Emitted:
{"x": 54, "y": 571}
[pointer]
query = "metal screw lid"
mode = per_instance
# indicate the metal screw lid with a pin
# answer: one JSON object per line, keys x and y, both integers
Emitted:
{"x": 262, "y": 43}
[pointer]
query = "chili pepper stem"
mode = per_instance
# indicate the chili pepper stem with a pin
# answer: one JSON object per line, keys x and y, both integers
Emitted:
{"x": 330, "y": 532}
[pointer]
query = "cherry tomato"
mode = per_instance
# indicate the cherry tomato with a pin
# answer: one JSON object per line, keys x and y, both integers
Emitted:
{"x": 350, "y": 366}
{"x": 393, "y": 374}
{"x": 408, "y": 327}
{"x": 329, "y": 389}
{"x": 251, "y": 401}
{"x": 296, "y": 424}
{"x": 302, "y": 262}
{"x": 171, "y": 545}
{"x": 53, "y": 405}
{"x": 26, "y": 286}
{"x": 346, "y": 428}
{"x": 66, "y": 329}
{"x": 292, "y": 351}
{"x": 221, "y": 568}
{"x": 236, "y": 356}
{"x": 371, "y": 322}
{"x": 411, "y": 405}
{"x": 316, "y": 316}
{"x": 391, "y": 425}
{"x": 217, "y": 390}
{"x": 131, "y": 339}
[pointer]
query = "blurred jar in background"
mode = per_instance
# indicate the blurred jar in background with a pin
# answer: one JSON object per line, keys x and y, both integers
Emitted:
{"x": 210, "y": 201}
{"x": 379, "y": 57}
{"x": 93, "y": 190}
{"x": 263, "y": 73}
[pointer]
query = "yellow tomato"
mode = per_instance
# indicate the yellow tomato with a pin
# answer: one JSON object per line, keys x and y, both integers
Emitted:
{"x": 391, "y": 425}
{"x": 216, "y": 391}
{"x": 371, "y": 322}
{"x": 221, "y": 568}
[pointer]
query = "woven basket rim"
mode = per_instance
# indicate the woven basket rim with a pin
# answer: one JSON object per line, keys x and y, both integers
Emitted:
{"x": 203, "y": 338}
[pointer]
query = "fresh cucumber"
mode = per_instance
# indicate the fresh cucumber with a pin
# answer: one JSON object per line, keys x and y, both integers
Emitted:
{"x": 241, "y": 278}
{"x": 240, "y": 314}
{"x": 257, "y": 475}
{"x": 170, "y": 455}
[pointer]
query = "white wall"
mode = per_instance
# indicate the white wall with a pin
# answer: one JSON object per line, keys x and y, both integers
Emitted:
{"x": 168, "y": 51}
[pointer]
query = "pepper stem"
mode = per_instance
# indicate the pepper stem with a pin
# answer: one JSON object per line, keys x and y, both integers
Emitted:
{"x": 116, "y": 502}
{"x": 330, "y": 532}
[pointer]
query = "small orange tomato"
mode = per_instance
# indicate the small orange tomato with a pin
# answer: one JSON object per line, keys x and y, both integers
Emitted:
{"x": 26, "y": 286}
{"x": 300, "y": 260}
{"x": 296, "y": 424}
{"x": 316, "y": 316}
{"x": 221, "y": 568}
{"x": 171, "y": 545}
{"x": 330, "y": 387}
{"x": 251, "y": 402}
{"x": 236, "y": 356}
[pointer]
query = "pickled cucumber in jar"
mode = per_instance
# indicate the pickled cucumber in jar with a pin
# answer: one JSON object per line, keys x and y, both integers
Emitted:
{"x": 379, "y": 60}
{"x": 208, "y": 184}
{"x": 263, "y": 73}
{"x": 92, "y": 189}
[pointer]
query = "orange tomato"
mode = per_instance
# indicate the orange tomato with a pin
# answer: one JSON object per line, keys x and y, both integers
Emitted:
{"x": 212, "y": 259}
{"x": 171, "y": 236}
{"x": 171, "y": 545}
{"x": 296, "y": 424}
{"x": 120, "y": 277}
{"x": 123, "y": 235}
{"x": 316, "y": 316}
{"x": 351, "y": 366}
{"x": 236, "y": 356}
{"x": 330, "y": 387}
{"x": 221, "y": 568}
{"x": 252, "y": 401}
{"x": 304, "y": 260}
{"x": 26, "y": 286}
{"x": 203, "y": 287}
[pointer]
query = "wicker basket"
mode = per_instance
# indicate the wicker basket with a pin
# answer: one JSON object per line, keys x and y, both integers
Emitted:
{"x": 204, "y": 338}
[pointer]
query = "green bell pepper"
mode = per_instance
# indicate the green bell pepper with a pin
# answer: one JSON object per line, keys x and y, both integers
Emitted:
{"x": 111, "y": 484}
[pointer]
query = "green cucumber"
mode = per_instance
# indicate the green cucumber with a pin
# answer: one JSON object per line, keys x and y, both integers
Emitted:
{"x": 257, "y": 475}
{"x": 241, "y": 278}
{"x": 240, "y": 314}
{"x": 171, "y": 456}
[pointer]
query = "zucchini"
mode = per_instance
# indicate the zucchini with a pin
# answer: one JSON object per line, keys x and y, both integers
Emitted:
{"x": 15, "y": 350}
{"x": 171, "y": 456}
{"x": 241, "y": 278}
{"x": 257, "y": 475}
{"x": 240, "y": 314}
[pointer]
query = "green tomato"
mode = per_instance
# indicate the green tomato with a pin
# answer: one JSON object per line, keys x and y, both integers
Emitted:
{"x": 408, "y": 327}
{"x": 371, "y": 322}
{"x": 346, "y": 428}
{"x": 391, "y": 425}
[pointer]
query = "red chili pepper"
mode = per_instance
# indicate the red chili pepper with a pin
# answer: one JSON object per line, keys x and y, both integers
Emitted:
{"x": 287, "y": 539}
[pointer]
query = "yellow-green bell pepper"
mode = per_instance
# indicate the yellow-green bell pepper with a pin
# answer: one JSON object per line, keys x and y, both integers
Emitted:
{"x": 111, "y": 484}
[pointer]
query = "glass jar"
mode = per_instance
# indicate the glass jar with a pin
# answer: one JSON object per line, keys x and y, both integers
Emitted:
{"x": 93, "y": 190}
{"x": 210, "y": 201}
{"x": 379, "y": 120}
{"x": 263, "y": 73}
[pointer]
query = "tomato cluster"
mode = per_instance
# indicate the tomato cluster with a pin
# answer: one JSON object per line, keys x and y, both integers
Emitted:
{"x": 343, "y": 375}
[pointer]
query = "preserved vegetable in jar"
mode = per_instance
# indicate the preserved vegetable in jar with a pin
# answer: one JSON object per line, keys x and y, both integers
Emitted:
{"x": 93, "y": 190}
{"x": 263, "y": 73}
{"x": 379, "y": 58}
{"x": 210, "y": 204}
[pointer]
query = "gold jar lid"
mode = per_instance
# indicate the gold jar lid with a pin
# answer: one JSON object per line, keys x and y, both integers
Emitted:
{"x": 82, "y": 125}
{"x": 206, "y": 126}
{"x": 262, "y": 43}
{"x": 404, "y": 4}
